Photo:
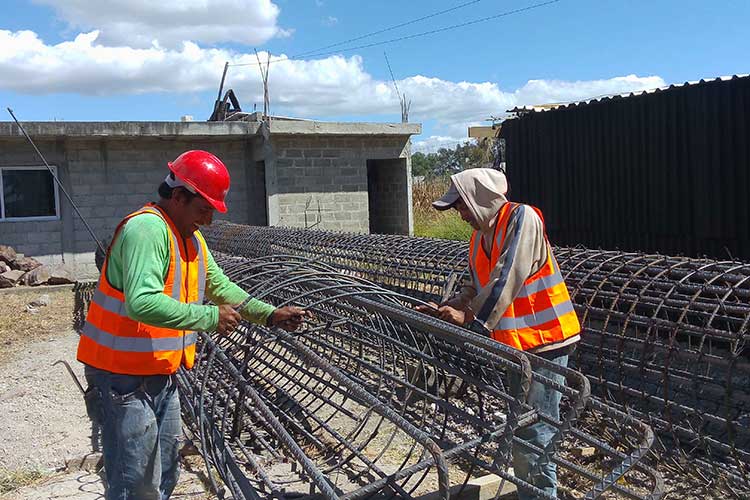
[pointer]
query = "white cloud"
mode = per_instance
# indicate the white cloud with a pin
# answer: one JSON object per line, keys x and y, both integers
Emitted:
{"x": 434, "y": 142}
{"x": 556, "y": 91}
{"x": 142, "y": 23}
{"x": 330, "y": 21}
{"x": 334, "y": 86}
{"x": 82, "y": 66}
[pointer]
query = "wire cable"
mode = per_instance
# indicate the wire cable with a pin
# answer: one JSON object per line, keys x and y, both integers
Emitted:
{"x": 59, "y": 184}
{"x": 384, "y": 30}
{"x": 417, "y": 35}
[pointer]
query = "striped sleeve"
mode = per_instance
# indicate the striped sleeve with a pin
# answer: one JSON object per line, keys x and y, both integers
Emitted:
{"x": 524, "y": 251}
{"x": 467, "y": 291}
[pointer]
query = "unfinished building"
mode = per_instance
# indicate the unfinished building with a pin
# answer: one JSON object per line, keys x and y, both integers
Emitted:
{"x": 337, "y": 176}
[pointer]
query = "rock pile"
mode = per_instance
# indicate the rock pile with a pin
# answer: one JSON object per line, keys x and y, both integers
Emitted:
{"x": 17, "y": 269}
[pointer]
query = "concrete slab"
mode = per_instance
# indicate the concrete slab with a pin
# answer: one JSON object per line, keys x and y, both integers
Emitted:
{"x": 202, "y": 129}
{"x": 127, "y": 129}
{"x": 288, "y": 127}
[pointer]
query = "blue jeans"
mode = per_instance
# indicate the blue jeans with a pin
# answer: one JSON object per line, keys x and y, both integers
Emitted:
{"x": 547, "y": 401}
{"x": 141, "y": 426}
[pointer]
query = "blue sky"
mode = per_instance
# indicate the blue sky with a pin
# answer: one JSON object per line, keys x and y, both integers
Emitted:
{"x": 145, "y": 60}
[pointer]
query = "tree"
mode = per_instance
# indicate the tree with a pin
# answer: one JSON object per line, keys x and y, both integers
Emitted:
{"x": 450, "y": 161}
{"x": 422, "y": 164}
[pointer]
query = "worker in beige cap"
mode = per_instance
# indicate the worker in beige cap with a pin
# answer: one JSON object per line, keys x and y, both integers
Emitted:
{"x": 515, "y": 294}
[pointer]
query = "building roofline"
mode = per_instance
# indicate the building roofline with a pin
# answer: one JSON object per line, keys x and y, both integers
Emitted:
{"x": 292, "y": 127}
{"x": 203, "y": 129}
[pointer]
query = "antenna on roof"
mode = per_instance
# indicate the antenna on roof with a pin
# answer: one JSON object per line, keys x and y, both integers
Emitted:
{"x": 264, "y": 76}
{"x": 401, "y": 99}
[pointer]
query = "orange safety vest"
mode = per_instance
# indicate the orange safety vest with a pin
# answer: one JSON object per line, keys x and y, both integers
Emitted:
{"x": 112, "y": 341}
{"x": 542, "y": 312}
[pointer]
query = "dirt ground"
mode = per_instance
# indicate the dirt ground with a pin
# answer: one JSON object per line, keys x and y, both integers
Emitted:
{"x": 43, "y": 424}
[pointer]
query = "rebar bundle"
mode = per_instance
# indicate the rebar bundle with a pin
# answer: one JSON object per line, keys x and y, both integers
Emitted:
{"x": 665, "y": 338}
{"x": 372, "y": 398}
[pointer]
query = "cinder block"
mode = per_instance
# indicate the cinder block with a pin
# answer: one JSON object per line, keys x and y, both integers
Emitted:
{"x": 43, "y": 237}
{"x": 481, "y": 488}
{"x": 336, "y": 142}
{"x": 12, "y": 239}
{"x": 325, "y": 182}
{"x": 303, "y": 163}
{"x": 351, "y": 206}
{"x": 312, "y": 153}
{"x": 103, "y": 188}
{"x": 136, "y": 200}
{"x": 349, "y": 171}
{"x": 314, "y": 172}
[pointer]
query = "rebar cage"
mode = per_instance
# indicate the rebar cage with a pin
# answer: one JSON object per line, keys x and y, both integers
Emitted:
{"x": 665, "y": 338}
{"x": 374, "y": 399}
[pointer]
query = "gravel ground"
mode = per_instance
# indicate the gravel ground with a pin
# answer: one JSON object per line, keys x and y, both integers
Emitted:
{"x": 43, "y": 423}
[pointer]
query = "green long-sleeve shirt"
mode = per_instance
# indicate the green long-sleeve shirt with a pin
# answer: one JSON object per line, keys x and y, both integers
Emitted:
{"x": 138, "y": 264}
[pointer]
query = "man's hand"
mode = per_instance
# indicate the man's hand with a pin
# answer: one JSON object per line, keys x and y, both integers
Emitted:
{"x": 430, "y": 308}
{"x": 289, "y": 318}
{"x": 452, "y": 315}
{"x": 229, "y": 319}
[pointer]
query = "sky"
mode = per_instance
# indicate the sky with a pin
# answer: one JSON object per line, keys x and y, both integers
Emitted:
{"x": 143, "y": 60}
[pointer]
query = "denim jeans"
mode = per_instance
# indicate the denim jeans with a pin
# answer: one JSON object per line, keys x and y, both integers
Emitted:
{"x": 547, "y": 401}
{"x": 141, "y": 426}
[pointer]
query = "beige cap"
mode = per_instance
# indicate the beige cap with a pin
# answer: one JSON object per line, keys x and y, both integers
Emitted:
{"x": 448, "y": 200}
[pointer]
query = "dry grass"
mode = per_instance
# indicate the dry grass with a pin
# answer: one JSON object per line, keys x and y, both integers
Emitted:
{"x": 19, "y": 327}
{"x": 14, "y": 480}
{"x": 430, "y": 223}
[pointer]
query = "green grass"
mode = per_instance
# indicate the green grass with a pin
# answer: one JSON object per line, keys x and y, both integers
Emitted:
{"x": 447, "y": 225}
{"x": 430, "y": 223}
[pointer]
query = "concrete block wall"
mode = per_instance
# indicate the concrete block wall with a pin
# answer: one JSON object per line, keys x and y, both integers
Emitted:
{"x": 107, "y": 179}
{"x": 324, "y": 178}
{"x": 33, "y": 238}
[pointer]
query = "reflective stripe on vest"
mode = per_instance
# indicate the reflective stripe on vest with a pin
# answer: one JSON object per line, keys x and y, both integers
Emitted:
{"x": 200, "y": 244}
{"x": 542, "y": 312}
{"x": 137, "y": 344}
{"x": 536, "y": 319}
{"x": 110, "y": 340}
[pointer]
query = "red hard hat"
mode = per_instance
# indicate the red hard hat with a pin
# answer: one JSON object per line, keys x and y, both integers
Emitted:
{"x": 205, "y": 173}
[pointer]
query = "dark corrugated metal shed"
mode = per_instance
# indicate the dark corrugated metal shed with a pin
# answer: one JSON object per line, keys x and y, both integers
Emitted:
{"x": 663, "y": 171}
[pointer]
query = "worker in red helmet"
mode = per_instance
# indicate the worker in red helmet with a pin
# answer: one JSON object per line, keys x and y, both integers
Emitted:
{"x": 141, "y": 324}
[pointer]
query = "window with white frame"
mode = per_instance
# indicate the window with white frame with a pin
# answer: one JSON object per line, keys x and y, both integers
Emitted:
{"x": 28, "y": 193}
